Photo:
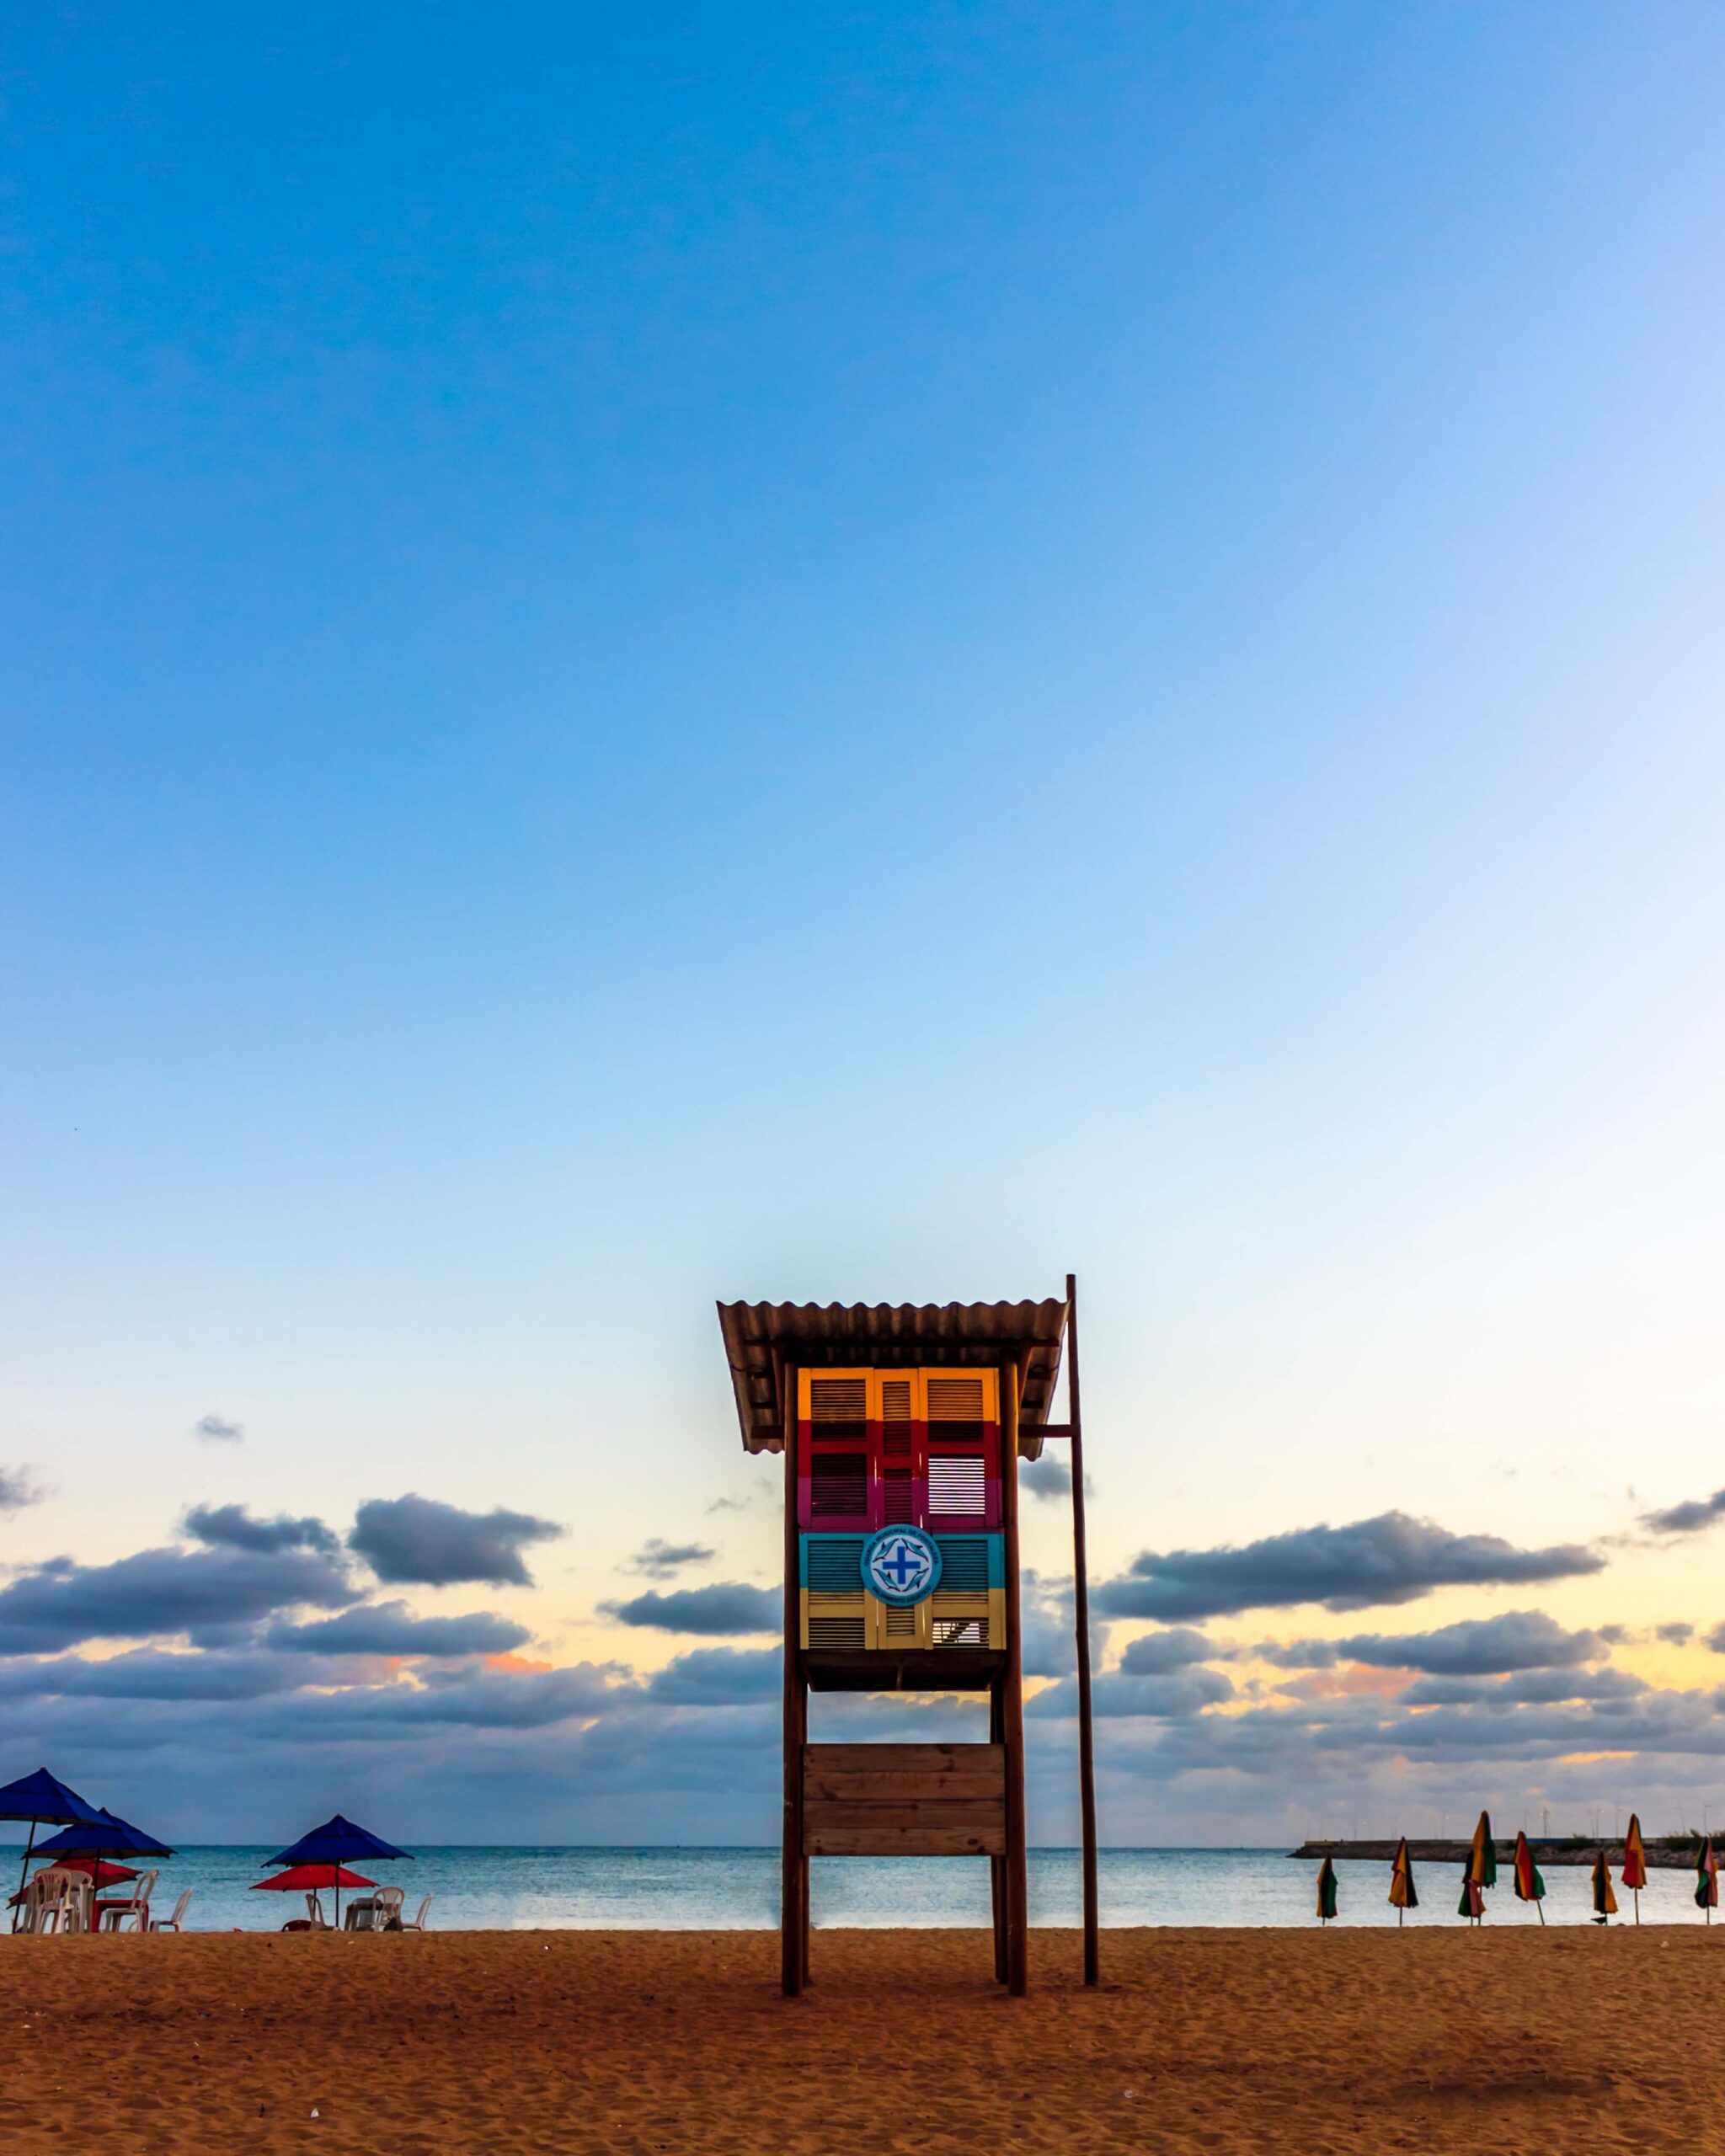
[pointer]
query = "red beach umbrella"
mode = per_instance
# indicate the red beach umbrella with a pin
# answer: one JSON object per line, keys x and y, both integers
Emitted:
{"x": 310, "y": 1879}
{"x": 1633, "y": 1869}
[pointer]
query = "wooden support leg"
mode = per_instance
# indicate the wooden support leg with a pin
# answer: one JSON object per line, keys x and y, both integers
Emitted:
{"x": 997, "y": 1864}
{"x": 1012, "y": 1707}
{"x": 793, "y": 1865}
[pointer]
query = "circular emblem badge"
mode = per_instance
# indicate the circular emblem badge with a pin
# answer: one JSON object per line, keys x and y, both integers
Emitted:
{"x": 902, "y": 1564}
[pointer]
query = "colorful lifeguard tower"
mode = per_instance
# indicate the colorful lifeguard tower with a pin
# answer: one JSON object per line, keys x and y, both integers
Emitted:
{"x": 902, "y": 1427}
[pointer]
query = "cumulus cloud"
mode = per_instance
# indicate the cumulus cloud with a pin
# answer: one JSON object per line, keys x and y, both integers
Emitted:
{"x": 390, "y": 1628}
{"x": 1392, "y": 1558}
{"x": 710, "y": 1677}
{"x": 1535, "y": 1688}
{"x": 158, "y": 1593}
{"x": 1160, "y": 1694}
{"x": 1481, "y": 1647}
{"x": 1688, "y": 1519}
{"x": 232, "y": 1527}
{"x": 217, "y": 1429}
{"x": 728, "y": 1606}
{"x": 660, "y": 1560}
{"x": 1050, "y": 1477}
{"x": 1674, "y": 1634}
{"x": 149, "y": 1673}
{"x": 16, "y": 1490}
{"x": 1179, "y": 1647}
{"x": 419, "y": 1541}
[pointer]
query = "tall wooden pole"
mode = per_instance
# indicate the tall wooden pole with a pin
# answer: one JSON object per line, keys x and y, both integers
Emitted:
{"x": 793, "y": 1881}
{"x": 1013, "y": 1704}
{"x": 1081, "y": 1596}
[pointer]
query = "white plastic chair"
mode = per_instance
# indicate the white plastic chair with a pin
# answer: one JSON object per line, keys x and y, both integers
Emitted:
{"x": 57, "y": 1902}
{"x": 417, "y": 1923}
{"x": 137, "y": 1905}
{"x": 174, "y": 1923}
{"x": 387, "y": 1902}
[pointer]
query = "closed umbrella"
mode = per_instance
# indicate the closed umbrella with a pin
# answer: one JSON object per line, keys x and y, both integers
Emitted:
{"x": 45, "y": 1801}
{"x": 1634, "y": 1869}
{"x": 1530, "y": 1884}
{"x": 1482, "y": 1858}
{"x": 1325, "y": 1891}
{"x": 1707, "y": 1876}
{"x": 340, "y": 1841}
{"x": 1402, "y": 1895}
{"x": 1604, "y": 1901}
{"x": 1472, "y": 1904}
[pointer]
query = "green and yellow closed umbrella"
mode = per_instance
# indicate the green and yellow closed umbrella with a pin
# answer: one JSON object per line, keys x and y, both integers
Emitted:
{"x": 1604, "y": 1901}
{"x": 1482, "y": 1858}
{"x": 1530, "y": 1884}
{"x": 1326, "y": 1891}
{"x": 1403, "y": 1896}
{"x": 1707, "y": 1876}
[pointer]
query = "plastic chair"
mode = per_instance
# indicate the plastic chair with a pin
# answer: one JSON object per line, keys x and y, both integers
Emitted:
{"x": 57, "y": 1902}
{"x": 387, "y": 1902}
{"x": 417, "y": 1923}
{"x": 112, "y": 1915}
{"x": 176, "y": 1922}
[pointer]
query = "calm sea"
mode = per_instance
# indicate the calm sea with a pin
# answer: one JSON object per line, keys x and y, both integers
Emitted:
{"x": 689, "y": 1889}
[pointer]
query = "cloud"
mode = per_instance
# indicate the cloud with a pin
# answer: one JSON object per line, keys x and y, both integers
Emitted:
{"x": 415, "y": 1540}
{"x": 1161, "y": 1695}
{"x": 16, "y": 1490}
{"x": 1390, "y": 1559}
{"x": 160, "y": 1592}
{"x": 149, "y": 1673}
{"x": 390, "y": 1628}
{"x": 1481, "y": 1647}
{"x": 1536, "y": 1688}
{"x": 232, "y": 1527}
{"x": 1049, "y": 1477}
{"x": 1688, "y": 1519}
{"x": 1157, "y": 1652}
{"x": 709, "y": 1676}
{"x": 217, "y": 1428}
{"x": 1675, "y": 1635}
{"x": 725, "y": 1607}
{"x": 660, "y": 1560}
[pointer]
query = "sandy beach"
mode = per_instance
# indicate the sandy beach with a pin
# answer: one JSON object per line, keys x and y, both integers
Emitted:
{"x": 485, "y": 2043}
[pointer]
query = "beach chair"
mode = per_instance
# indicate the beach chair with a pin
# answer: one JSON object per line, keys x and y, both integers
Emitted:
{"x": 417, "y": 1923}
{"x": 112, "y": 1915}
{"x": 387, "y": 1904}
{"x": 57, "y": 1902}
{"x": 176, "y": 1922}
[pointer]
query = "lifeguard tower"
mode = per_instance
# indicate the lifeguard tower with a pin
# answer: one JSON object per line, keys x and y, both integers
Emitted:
{"x": 902, "y": 1427}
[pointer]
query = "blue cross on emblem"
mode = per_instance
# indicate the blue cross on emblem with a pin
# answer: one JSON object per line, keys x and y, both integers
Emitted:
{"x": 902, "y": 1564}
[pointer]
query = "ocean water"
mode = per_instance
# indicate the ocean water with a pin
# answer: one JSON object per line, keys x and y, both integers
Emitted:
{"x": 493, "y": 1888}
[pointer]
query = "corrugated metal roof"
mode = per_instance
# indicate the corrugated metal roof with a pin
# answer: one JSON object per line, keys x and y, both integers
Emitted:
{"x": 759, "y": 1336}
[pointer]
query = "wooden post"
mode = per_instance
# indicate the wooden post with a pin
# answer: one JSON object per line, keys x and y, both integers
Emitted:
{"x": 997, "y": 1864}
{"x": 794, "y": 1868}
{"x": 1013, "y": 1704}
{"x": 1081, "y": 1596}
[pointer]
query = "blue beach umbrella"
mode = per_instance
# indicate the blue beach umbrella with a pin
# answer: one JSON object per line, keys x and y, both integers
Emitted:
{"x": 107, "y": 1836}
{"x": 45, "y": 1801}
{"x": 340, "y": 1841}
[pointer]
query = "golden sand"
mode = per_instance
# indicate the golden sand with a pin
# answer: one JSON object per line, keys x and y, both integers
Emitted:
{"x": 485, "y": 2043}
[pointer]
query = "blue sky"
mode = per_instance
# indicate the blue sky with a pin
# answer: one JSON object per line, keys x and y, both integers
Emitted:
{"x": 713, "y": 652}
